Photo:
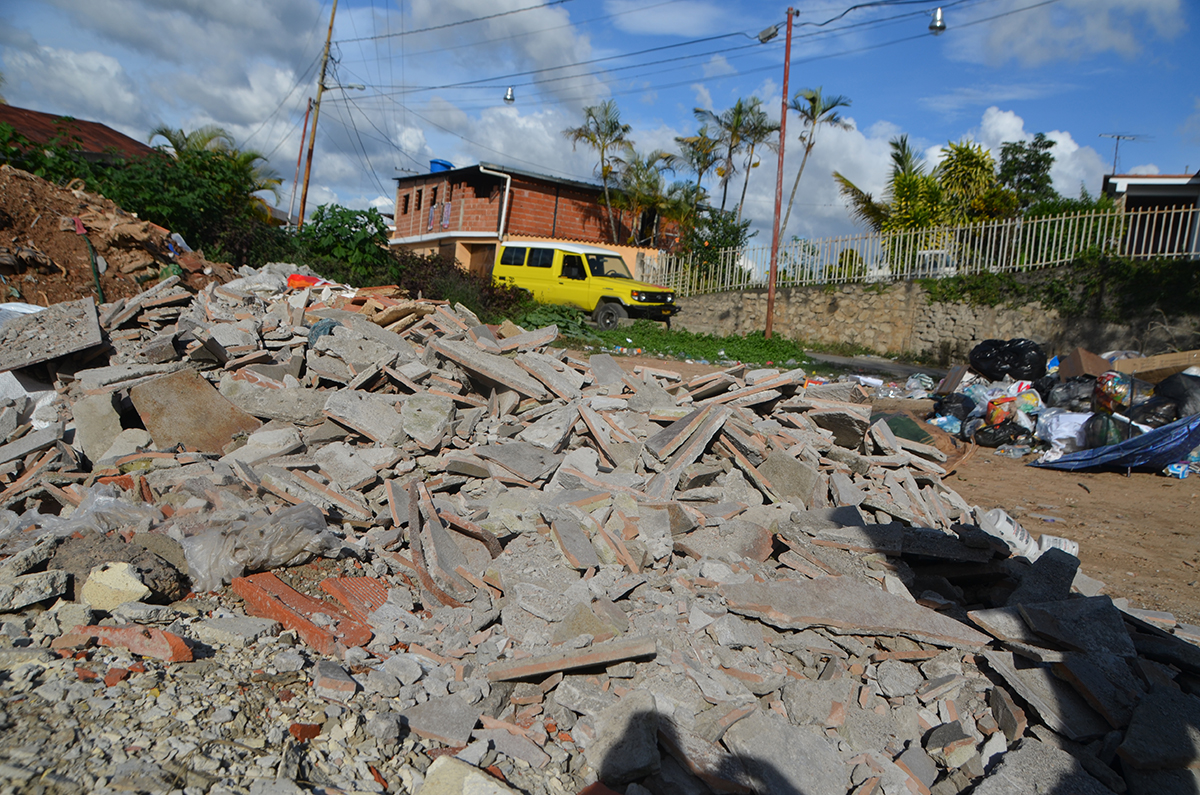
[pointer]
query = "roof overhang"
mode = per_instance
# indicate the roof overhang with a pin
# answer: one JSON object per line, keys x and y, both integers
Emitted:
{"x": 437, "y": 237}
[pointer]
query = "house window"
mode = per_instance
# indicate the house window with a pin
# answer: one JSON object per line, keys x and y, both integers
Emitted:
{"x": 419, "y": 192}
{"x": 433, "y": 196}
{"x": 541, "y": 257}
{"x": 404, "y": 204}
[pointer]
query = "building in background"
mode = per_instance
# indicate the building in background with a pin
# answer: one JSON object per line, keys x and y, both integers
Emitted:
{"x": 463, "y": 213}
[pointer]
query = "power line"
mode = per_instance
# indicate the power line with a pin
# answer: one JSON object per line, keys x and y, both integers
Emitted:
{"x": 461, "y": 22}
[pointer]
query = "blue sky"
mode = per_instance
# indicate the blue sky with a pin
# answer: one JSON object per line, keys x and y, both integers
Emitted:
{"x": 1004, "y": 70}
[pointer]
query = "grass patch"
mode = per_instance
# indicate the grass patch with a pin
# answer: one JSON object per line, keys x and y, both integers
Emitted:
{"x": 754, "y": 348}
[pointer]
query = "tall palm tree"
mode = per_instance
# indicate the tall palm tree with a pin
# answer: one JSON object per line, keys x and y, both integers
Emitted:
{"x": 642, "y": 187}
{"x": 814, "y": 109}
{"x": 603, "y": 131}
{"x": 731, "y": 130}
{"x": 698, "y": 154}
{"x": 908, "y": 180}
{"x": 758, "y": 132}
{"x": 211, "y": 138}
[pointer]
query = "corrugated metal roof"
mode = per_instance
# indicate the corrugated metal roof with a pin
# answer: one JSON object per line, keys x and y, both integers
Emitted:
{"x": 94, "y": 137}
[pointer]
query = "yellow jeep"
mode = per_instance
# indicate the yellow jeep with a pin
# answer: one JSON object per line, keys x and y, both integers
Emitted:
{"x": 592, "y": 278}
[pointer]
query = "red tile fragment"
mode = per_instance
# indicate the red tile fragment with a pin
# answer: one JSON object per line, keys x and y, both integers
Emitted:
{"x": 303, "y": 732}
{"x": 115, "y": 675}
{"x": 359, "y": 595}
{"x": 86, "y": 675}
{"x": 146, "y": 641}
{"x": 266, "y": 596}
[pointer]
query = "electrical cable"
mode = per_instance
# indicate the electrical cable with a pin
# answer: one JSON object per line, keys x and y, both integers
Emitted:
{"x": 463, "y": 22}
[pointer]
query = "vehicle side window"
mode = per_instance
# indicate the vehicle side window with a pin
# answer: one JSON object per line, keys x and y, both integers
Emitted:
{"x": 573, "y": 267}
{"x": 541, "y": 257}
{"x": 513, "y": 255}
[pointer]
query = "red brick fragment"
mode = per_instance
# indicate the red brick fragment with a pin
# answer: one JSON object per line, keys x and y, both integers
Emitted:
{"x": 137, "y": 668}
{"x": 361, "y": 596}
{"x": 86, "y": 675}
{"x": 115, "y": 675}
{"x": 286, "y": 695}
{"x": 266, "y": 596}
{"x": 146, "y": 641}
{"x": 303, "y": 732}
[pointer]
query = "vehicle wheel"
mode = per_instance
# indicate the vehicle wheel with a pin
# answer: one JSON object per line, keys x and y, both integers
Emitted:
{"x": 609, "y": 316}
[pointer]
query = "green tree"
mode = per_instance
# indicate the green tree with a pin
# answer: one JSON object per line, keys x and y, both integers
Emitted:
{"x": 733, "y": 127}
{"x": 714, "y": 231}
{"x": 966, "y": 173}
{"x": 1025, "y": 169}
{"x": 603, "y": 131}
{"x": 641, "y": 190}
{"x": 815, "y": 109}
{"x": 698, "y": 154}
{"x": 358, "y": 238}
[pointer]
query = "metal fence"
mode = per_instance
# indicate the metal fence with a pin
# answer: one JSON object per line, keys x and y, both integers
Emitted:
{"x": 1019, "y": 244}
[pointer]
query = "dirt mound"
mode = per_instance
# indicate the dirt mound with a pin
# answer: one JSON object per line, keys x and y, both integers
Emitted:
{"x": 44, "y": 259}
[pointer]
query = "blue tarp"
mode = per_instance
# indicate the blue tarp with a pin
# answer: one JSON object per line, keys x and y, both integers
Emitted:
{"x": 1154, "y": 449}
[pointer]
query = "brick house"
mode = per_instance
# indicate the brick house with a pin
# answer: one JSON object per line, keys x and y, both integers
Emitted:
{"x": 96, "y": 141}
{"x": 465, "y": 212}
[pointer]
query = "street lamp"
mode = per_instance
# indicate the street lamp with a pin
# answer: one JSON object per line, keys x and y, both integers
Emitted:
{"x": 509, "y": 96}
{"x": 937, "y": 26}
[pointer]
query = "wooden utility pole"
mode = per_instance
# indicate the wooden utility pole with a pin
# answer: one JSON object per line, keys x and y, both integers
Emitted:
{"x": 312, "y": 133}
{"x": 773, "y": 273}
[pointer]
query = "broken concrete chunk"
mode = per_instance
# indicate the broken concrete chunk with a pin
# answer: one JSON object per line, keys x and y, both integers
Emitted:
{"x": 29, "y": 589}
{"x": 598, "y": 654}
{"x": 1034, "y": 766}
{"x": 447, "y": 719}
{"x": 790, "y": 478}
{"x": 97, "y": 424}
{"x": 54, "y": 332}
{"x": 1164, "y": 732}
{"x": 427, "y": 418}
{"x": 374, "y": 416}
{"x": 450, "y": 776}
{"x": 780, "y": 757}
{"x": 1087, "y": 624}
{"x": 626, "y": 744}
{"x": 1055, "y": 702}
{"x": 183, "y": 408}
{"x": 1048, "y": 579}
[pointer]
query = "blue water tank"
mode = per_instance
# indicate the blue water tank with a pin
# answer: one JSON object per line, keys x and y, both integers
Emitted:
{"x": 440, "y": 165}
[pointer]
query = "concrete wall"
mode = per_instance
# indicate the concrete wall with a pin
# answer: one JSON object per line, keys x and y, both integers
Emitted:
{"x": 899, "y": 318}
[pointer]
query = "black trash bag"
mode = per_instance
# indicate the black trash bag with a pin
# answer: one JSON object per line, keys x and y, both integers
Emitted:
{"x": 1020, "y": 359}
{"x": 1044, "y": 385}
{"x": 956, "y": 405}
{"x": 1007, "y": 432}
{"x": 1155, "y": 412}
{"x": 1101, "y": 430}
{"x": 1184, "y": 389}
{"x": 1074, "y": 394}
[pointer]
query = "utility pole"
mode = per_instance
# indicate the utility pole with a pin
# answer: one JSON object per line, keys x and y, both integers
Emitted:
{"x": 312, "y": 133}
{"x": 1117, "y": 138}
{"x": 299, "y": 159}
{"x": 774, "y": 270}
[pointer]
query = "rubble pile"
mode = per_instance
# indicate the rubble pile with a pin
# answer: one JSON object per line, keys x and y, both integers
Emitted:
{"x": 50, "y": 235}
{"x": 533, "y": 574}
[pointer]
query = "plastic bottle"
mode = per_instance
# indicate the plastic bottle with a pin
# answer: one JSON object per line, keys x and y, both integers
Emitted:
{"x": 998, "y": 524}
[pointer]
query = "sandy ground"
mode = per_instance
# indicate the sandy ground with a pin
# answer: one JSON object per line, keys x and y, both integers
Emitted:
{"x": 1140, "y": 534}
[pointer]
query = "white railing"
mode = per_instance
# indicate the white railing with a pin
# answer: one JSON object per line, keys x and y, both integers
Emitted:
{"x": 994, "y": 247}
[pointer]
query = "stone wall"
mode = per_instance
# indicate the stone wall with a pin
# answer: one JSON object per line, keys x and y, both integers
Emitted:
{"x": 899, "y": 318}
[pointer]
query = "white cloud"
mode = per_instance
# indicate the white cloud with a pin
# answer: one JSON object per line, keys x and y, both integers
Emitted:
{"x": 717, "y": 66}
{"x": 86, "y": 85}
{"x": 703, "y": 97}
{"x": 687, "y": 19}
{"x": 1149, "y": 168}
{"x": 970, "y": 97}
{"x": 1069, "y": 29}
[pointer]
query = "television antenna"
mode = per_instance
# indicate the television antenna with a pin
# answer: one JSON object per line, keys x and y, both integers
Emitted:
{"x": 1117, "y": 138}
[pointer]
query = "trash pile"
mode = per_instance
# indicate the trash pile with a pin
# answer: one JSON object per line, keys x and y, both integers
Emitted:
{"x": 273, "y": 540}
{"x": 57, "y": 244}
{"x": 1015, "y": 400}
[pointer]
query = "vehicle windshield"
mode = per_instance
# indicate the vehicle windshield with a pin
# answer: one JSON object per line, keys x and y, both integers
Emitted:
{"x": 608, "y": 265}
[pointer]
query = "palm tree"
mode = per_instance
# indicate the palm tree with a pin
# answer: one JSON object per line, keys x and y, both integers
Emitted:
{"x": 815, "y": 109}
{"x": 759, "y": 131}
{"x": 209, "y": 138}
{"x": 603, "y": 131}
{"x": 642, "y": 188}
{"x": 698, "y": 154}
{"x": 731, "y": 126}
{"x": 908, "y": 181}
{"x": 967, "y": 172}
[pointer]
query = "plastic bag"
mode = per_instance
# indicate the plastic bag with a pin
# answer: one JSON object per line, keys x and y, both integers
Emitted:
{"x": 1029, "y": 402}
{"x": 957, "y": 405}
{"x": 949, "y": 424}
{"x": 1007, "y": 432}
{"x": 1045, "y": 385}
{"x": 1074, "y": 394}
{"x": 286, "y": 538}
{"x": 101, "y": 511}
{"x": 1016, "y": 358}
{"x": 1115, "y": 392}
{"x": 1062, "y": 430}
{"x": 999, "y": 410}
{"x": 1184, "y": 389}
{"x": 1155, "y": 412}
{"x": 1102, "y": 429}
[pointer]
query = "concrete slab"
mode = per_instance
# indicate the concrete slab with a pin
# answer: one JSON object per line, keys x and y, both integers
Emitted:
{"x": 183, "y": 408}
{"x": 1087, "y": 624}
{"x": 447, "y": 719}
{"x": 1034, "y": 767}
{"x": 1055, "y": 702}
{"x": 780, "y": 757}
{"x": 374, "y": 416}
{"x": 57, "y": 331}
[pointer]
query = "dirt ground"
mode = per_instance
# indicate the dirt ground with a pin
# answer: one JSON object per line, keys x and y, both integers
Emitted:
{"x": 1140, "y": 534}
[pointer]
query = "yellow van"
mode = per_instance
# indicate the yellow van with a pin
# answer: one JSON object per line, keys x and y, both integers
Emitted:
{"x": 592, "y": 278}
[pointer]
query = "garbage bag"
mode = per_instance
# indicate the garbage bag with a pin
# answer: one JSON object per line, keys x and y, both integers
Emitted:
{"x": 1184, "y": 389}
{"x": 1045, "y": 385}
{"x": 1155, "y": 412}
{"x": 999, "y": 410}
{"x": 1153, "y": 450}
{"x": 957, "y": 405}
{"x": 1007, "y": 432}
{"x": 1074, "y": 394}
{"x": 285, "y": 538}
{"x": 101, "y": 510}
{"x": 1102, "y": 429}
{"x": 1062, "y": 429}
{"x": 1116, "y": 392}
{"x": 1017, "y": 359}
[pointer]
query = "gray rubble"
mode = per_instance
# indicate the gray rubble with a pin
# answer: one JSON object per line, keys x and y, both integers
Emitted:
{"x": 432, "y": 556}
